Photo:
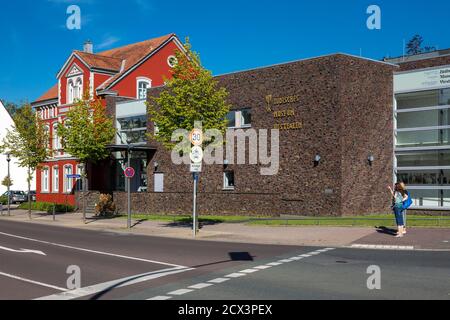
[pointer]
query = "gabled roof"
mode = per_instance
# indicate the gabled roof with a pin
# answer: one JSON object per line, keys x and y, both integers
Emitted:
{"x": 99, "y": 61}
{"x": 119, "y": 61}
{"x": 132, "y": 55}
{"x": 49, "y": 95}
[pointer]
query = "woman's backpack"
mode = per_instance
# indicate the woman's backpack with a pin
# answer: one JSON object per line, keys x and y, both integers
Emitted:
{"x": 408, "y": 203}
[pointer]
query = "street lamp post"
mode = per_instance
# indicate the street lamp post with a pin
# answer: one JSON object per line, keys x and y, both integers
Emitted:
{"x": 8, "y": 159}
{"x": 129, "y": 141}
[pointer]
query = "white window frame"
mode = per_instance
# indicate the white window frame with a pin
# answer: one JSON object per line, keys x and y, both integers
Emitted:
{"x": 45, "y": 179}
{"x": 55, "y": 179}
{"x": 226, "y": 183}
{"x": 74, "y": 89}
{"x": 68, "y": 182}
{"x": 56, "y": 141}
{"x": 140, "y": 80}
{"x": 238, "y": 123}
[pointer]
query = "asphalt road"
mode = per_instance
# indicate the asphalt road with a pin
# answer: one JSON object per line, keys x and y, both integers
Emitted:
{"x": 34, "y": 260}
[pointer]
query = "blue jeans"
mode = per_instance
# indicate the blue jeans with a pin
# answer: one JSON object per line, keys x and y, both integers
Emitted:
{"x": 399, "y": 216}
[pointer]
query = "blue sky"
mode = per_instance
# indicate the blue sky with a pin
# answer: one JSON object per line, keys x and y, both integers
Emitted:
{"x": 230, "y": 35}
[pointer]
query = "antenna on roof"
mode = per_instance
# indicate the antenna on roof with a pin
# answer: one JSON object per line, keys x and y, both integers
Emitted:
{"x": 404, "y": 49}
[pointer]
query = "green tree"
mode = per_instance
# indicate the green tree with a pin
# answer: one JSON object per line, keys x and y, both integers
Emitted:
{"x": 27, "y": 142}
{"x": 7, "y": 182}
{"x": 11, "y": 107}
{"x": 192, "y": 94}
{"x": 414, "y": 46}
{"x": 85, "y": 134}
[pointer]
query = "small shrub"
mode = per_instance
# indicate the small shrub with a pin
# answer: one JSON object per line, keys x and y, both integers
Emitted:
{"x": 4, "y": 200}
{"x": 105, "y": 206}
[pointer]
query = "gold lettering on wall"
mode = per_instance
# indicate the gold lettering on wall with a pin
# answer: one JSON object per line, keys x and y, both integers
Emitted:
{"x": 289, "y": 126}
{"x": 282, "y": 114}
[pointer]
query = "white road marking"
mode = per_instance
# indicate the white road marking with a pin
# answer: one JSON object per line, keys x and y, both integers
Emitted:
{"x": 201, "y": 286}
{"x": 238, "y": 275}
{"x": 160, "y": 298}
{"x": 180, "y": 292}
{"x": 315, "y": 253}
{"x": 23, "y": 251}
{"x": 380, "y": 247}
{"x": 120, "y": 283}
{"x": 235, "y": 275}
{"x": 32, "y": 282}
{"x": 263, "y": 267}
{"x": 248, "y": 271}
{"x": 305, "y": 256}
{"x": 296, "y": 258}
{"x": 92, "y": 251}
{"x": 274, "y": 264}
{"x": 219, "y": 280}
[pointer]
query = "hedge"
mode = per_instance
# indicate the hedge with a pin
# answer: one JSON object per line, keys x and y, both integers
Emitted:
{"x": 47, "y": 207}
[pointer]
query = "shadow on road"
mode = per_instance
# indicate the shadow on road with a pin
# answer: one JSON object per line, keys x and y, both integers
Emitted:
{"x": 385, "y": 230}
{"x": 234, "y": 257}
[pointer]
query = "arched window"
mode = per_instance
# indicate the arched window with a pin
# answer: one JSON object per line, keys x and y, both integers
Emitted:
{"x": 143, "y": 84}
{"x": 78, "y": 92}
{"x": 70, "y": 96}
{"x": 56, "y": 139}
{"x": 74, "y": 90}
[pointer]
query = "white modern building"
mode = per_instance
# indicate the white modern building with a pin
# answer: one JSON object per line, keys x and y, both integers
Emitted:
{"x": 18, "y": 175}
{"x": 422, "y": 128}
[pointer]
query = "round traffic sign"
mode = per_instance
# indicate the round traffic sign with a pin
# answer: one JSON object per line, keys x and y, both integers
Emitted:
{"x": 196, "y": 155}
{"x": 196, "y": 137}
{"x": 129, "y": 172}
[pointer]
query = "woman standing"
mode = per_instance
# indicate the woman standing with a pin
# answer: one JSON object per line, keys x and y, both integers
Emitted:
{"x": 400, "y": 196}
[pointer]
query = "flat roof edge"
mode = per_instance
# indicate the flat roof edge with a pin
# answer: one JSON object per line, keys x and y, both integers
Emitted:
{"x": 309, "y": 59}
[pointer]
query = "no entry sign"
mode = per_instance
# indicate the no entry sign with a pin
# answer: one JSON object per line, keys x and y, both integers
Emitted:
{"x": 129, "y": 172}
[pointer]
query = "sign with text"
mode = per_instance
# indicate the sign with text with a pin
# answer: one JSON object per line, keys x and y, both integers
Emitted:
{"x": 421, "y": 80}
{"x": 196, "y": 167}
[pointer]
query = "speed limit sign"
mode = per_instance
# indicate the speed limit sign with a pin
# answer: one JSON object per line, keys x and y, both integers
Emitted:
{"x": 196, "y": 137}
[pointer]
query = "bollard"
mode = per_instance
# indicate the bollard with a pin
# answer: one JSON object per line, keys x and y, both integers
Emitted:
{"x": 54, "y": 212}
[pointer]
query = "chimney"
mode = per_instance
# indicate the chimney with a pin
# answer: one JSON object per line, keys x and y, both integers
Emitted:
{"x": 88, "y": 47}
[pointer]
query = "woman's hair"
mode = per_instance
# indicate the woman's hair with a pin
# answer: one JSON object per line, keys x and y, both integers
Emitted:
{"x": 401, "y": 187}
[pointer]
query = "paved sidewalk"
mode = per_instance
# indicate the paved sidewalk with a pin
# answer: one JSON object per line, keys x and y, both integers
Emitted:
{"x": 242, "y": 233}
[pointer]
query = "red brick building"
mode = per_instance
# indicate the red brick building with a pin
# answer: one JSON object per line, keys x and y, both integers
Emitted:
{"x": 125, "y": 73}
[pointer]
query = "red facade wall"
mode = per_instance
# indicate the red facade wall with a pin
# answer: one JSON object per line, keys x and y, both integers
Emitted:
{"x": 55, "y": 197}
{"x": 86, "y": 77}
{"x": 155, "y": 68}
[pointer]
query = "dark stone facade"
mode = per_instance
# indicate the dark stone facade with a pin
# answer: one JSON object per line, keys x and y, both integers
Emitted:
{"x": 344, "y": 105}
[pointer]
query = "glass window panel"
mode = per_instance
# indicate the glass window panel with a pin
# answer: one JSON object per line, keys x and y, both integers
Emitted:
{"x": 246, "y": 117}
{"x": 423, "y": 159}
{"x": 429, "y": 138}
{"x": 229, "y": 180}
{"x": 231, "y": 117}
{"x": 432, "y": 118}
{"x": 418, "y": 99}
{"x": 446, "y": 199}
{"x": 426, "y": 198}
{"x": 425, "y": 177}
{"x": 444, "y": 97}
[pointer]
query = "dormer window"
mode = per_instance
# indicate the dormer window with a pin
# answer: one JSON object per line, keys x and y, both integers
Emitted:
{"x": 143, "y": 84}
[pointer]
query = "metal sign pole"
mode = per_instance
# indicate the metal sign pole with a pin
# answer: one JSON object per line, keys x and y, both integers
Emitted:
{"x": 129, "y": 193}
{"x": 195, "y": 205}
